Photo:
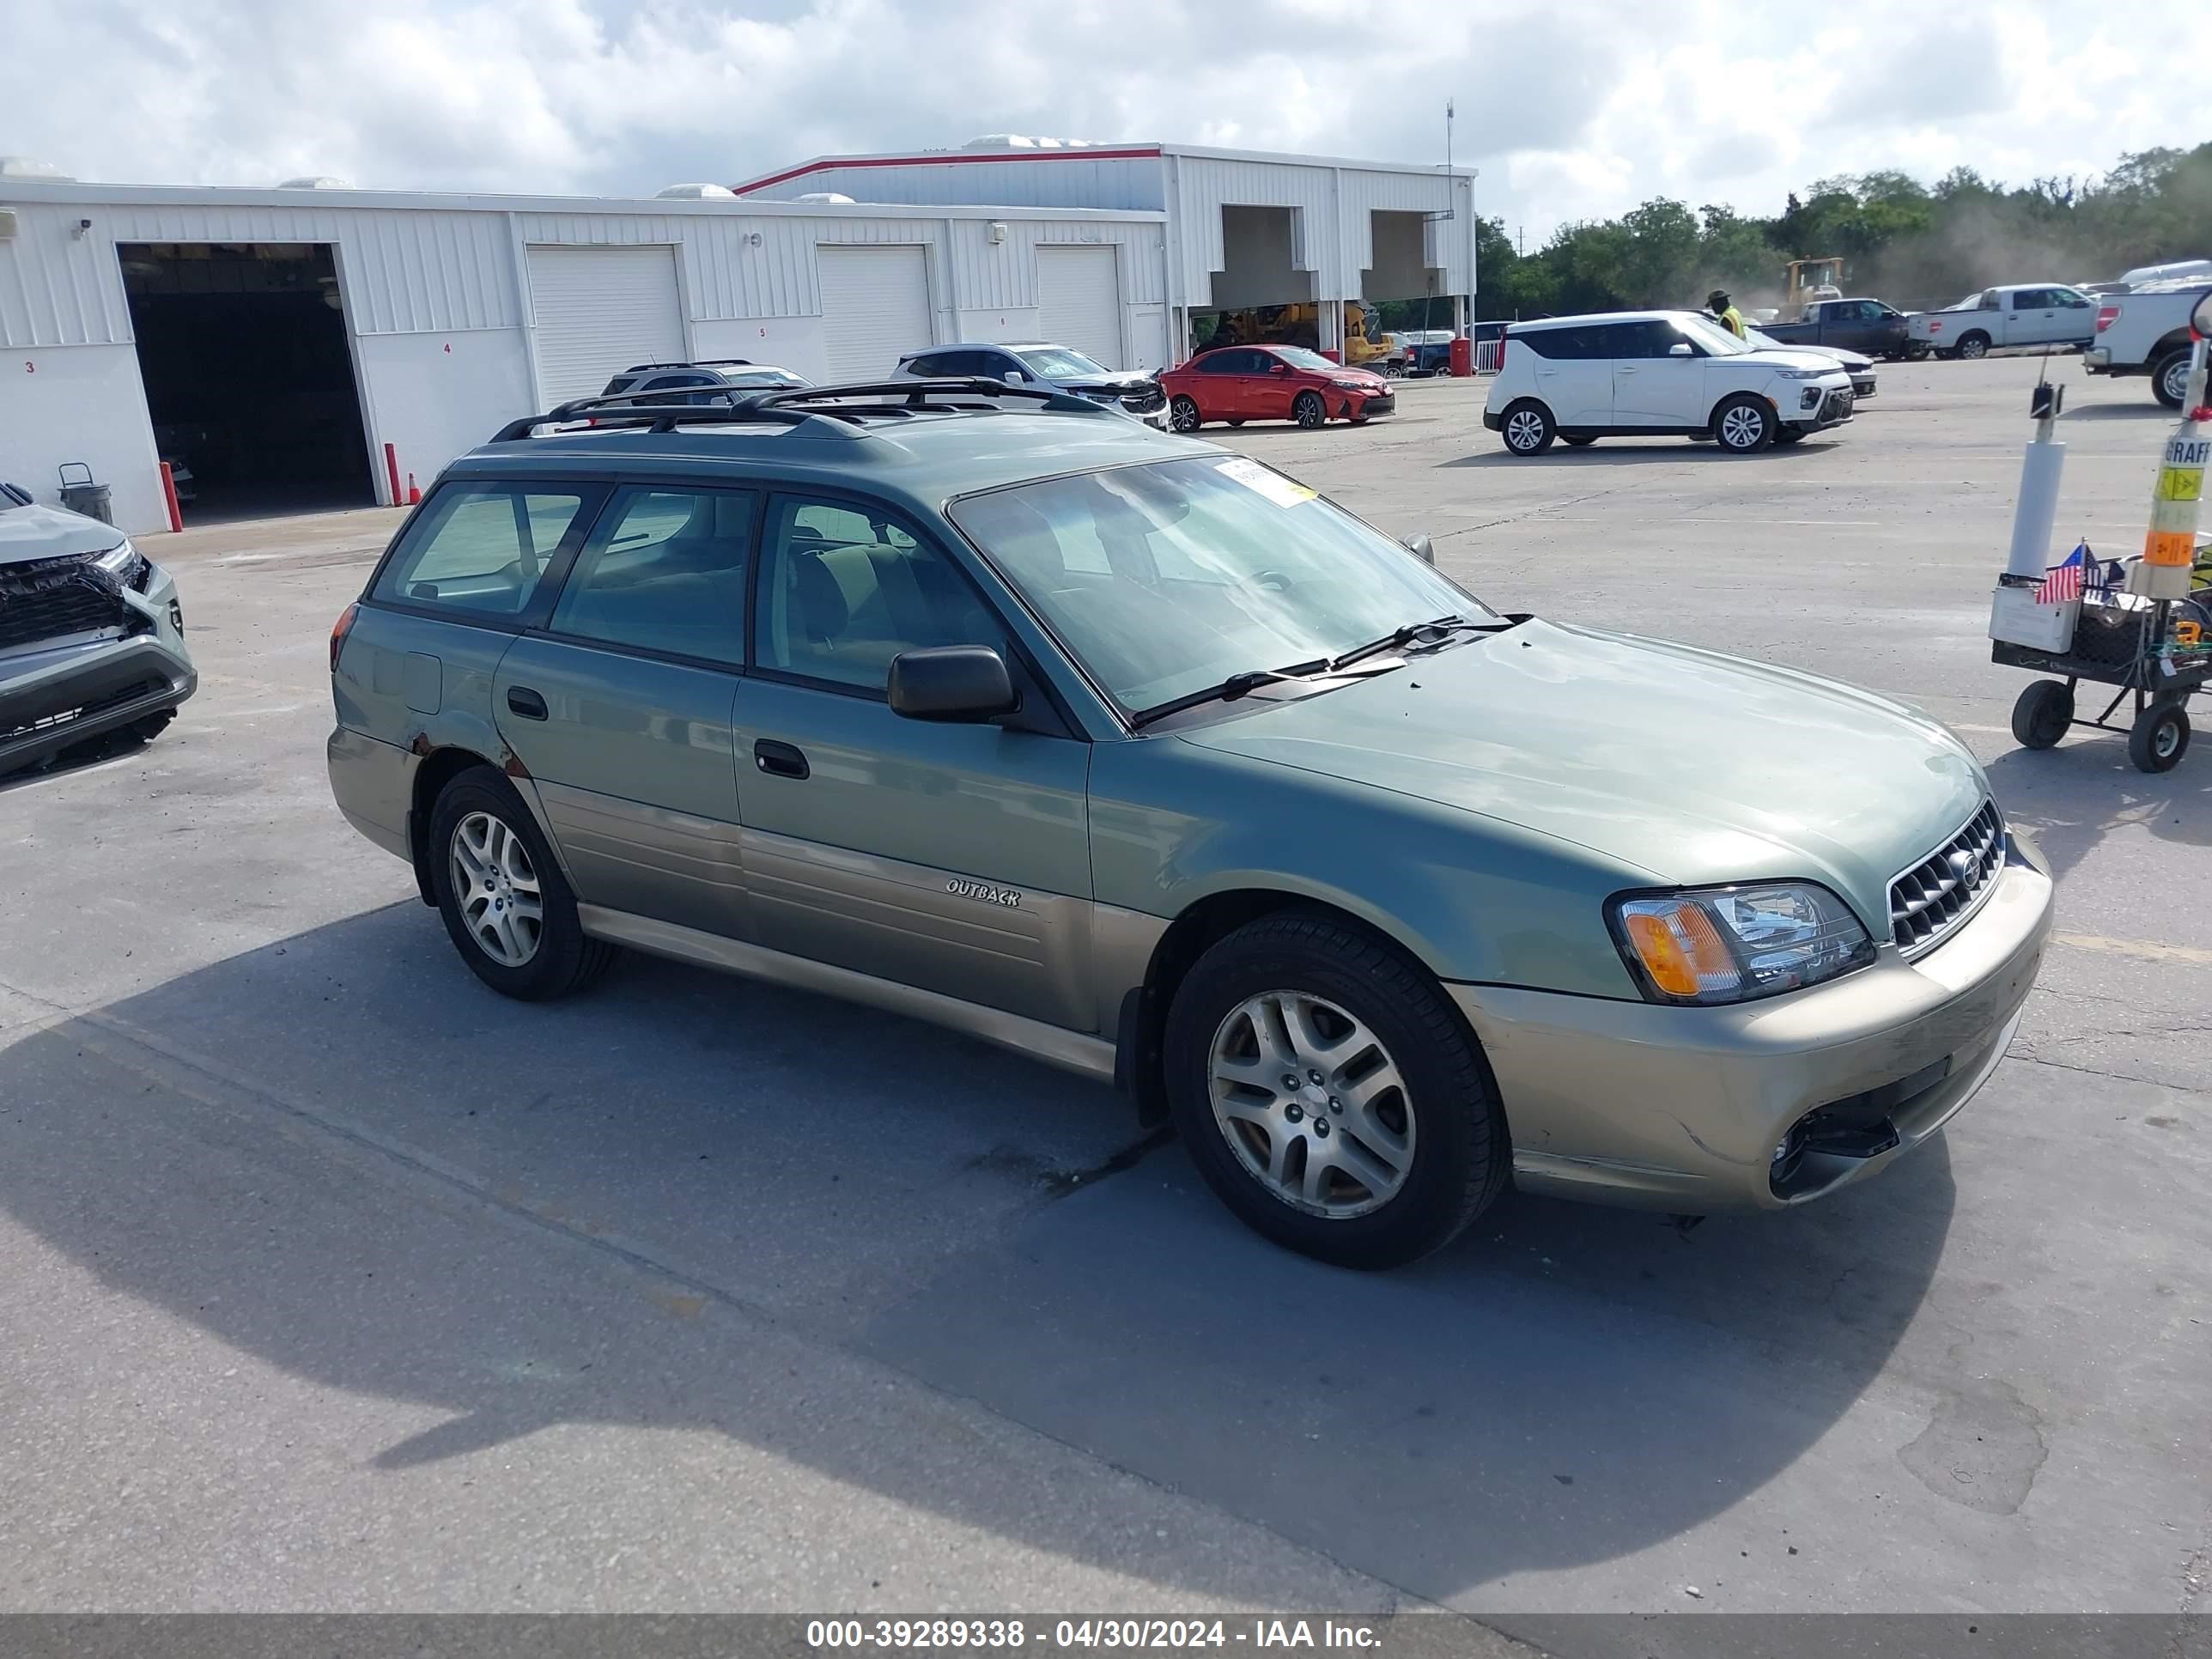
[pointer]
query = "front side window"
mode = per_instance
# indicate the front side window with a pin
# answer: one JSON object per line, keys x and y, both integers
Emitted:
{"x": 1165, "y": 579}
{"x": 480, "y": 547}
{"x": 1716, "y": 341}
{"x": 664, "y": 570}
{"x": 844, "y": 590}
{"x": 1646, "y": 339}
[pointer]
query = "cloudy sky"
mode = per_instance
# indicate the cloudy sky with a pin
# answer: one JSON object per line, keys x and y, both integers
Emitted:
{"x": 1574, "y": 109}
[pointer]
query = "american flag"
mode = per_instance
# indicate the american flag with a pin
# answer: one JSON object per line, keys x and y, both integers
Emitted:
{"x": 2063, "y": 581}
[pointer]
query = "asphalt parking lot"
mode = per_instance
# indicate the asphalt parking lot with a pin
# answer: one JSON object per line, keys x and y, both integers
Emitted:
{"x": 332, "y": 1281}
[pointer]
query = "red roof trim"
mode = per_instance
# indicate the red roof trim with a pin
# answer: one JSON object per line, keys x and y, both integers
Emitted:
{"x": 949, "y": 158}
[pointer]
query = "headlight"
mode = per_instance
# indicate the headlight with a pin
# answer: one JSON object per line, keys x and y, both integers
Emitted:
{"x": 124, "y": 562}
{"x": 1733, "y": 944}
{"x": 1803, "y": 374}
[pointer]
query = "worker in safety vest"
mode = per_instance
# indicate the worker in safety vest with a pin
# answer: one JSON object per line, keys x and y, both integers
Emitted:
{"x": 1725, "y": 313}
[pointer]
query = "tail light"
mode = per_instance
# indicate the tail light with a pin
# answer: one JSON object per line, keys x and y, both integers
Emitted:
{"x": 2106, "y": 316}
{"x": 339, "y": 629}
{"x": 1935, "y": 328}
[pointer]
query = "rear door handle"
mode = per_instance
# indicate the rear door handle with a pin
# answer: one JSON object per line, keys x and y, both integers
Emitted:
{"x": 782, "y": 760}
{"x": 1624, "y": 369}
{"x": 522, "y": 701}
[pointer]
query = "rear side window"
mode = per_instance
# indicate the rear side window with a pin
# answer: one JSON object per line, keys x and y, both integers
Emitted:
{"x": 1564, "y": 343}
{"x": 664, "y": 570}
{"x": 481, "y": 548}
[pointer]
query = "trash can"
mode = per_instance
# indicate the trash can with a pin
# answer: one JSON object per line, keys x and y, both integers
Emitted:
{"x": 1463, "y": 355}
{"x": 83, "y": 496}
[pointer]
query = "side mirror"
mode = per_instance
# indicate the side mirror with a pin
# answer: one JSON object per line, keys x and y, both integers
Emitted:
{"x": 1681, "y": 348}
{"x": 1423, "y": 548}
{"x": 1013, "y": 377}
{"x": 1279, "y": 368}
{"x": 952, "y": 682}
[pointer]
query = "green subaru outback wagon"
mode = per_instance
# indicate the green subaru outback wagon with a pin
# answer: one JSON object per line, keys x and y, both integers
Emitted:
{"x": 1003, "y": 711}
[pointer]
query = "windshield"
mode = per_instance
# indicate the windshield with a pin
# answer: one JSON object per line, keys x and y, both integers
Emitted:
{"x": 1166, "y": 579}
{"x": 1717, "y": 340}
{"x": 1058, "y": 363}
{"x": 1299, "y": 357}
{"x": 762, "y": 377}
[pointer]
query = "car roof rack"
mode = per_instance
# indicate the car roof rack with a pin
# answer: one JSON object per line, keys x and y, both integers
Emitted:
{"x": 841, "y": 409}
{"x": 696, "y": 362}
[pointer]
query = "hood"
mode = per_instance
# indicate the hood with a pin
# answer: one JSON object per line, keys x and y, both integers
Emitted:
{"x": 1697, "y": 768}
{"x": 1352, "y": 372}
{"x": 1849, "y": 359}
{"x": 50, "y": 533}
{"x": 1134, "y": 380}
{"x": 1783, "y": 356}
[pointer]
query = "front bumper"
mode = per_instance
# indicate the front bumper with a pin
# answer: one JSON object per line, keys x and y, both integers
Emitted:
{"x": 1862, "y": 388}
{"x": 1365, "y": 408}
{"x": 1683, "y": 1108}
{"x": 1834, "y": 408}
{"x": 63, "y": 692}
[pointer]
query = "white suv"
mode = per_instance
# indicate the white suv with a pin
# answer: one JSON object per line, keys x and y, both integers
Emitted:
{"x": 1628, "y": 373}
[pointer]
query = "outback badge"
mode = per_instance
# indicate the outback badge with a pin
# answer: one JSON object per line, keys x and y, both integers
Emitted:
{"x": 983, "y": 891}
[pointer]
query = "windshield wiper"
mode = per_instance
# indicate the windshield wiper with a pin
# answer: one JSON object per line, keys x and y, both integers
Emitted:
{"x": 1229, "y": 691}
{"x": 1414, "y": 634}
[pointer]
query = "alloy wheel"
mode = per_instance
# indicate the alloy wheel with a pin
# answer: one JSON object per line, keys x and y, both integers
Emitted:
{"x": 1182, "y": 415}
{"x": 496, "y": 887}
{"x": 1743, "y": 428}
{"x": 1524, "y": 430}
{"x": 1973, "y": 348}
{"x": 1310, "y": 410}
{"x": 2174, "y": 383}
{"x": 1311, "y": 1104}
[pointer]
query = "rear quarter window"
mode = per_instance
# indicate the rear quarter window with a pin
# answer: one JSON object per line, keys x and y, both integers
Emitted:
{"x": 481, "y": 548}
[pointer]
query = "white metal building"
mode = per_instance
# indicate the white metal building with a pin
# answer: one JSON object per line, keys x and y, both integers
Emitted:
{"x": 314, "y": 344}
{"x": 1244, "y": 228}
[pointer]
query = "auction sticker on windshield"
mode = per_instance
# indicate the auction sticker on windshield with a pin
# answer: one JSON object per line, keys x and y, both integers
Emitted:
{"x": 1272, "y": 485}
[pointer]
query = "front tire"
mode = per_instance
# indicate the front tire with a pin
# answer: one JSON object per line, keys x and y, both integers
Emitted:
{"x": 508, "y": 907}
{"x": 2042, "y": 713}
{"x": 1786, "y": 435}
{"x": 1307, "y": 410}
{"x": 1527, "y": 428}
{"x": 1744, "y": 425}
{"x": 1974, "y": 346}
{"x": 2169, "y": 380}
{"x": 1183, "y": 415}
{"x": 1331, "y": 1094}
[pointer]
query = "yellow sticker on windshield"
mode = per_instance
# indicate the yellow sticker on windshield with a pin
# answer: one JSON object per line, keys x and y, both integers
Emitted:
{"x": 1274, "y": 485}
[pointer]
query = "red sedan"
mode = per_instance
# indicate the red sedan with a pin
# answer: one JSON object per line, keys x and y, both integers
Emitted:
{"x": 1238, "y": 384}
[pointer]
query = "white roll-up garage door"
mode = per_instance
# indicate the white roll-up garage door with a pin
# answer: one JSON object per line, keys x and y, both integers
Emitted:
{"x": 596, "y": 311}
{"x": 875, "y": 307}
{"x": 1080, "y": 301}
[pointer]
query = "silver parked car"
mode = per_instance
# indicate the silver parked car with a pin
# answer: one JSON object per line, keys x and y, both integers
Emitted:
{"x": 92, "y": 637}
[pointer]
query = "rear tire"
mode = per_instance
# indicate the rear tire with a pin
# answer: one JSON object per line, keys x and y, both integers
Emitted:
{"x": 498, "y": 949}
{"x": 2159, "y": 739}
{"x": 1362, "y": 1183}
{"x": 1528, "y": 427}
{"x": 1307, "y": 410}
{"x": 1744, "y": 425}
{"x": 2042, "y": 713}
{"x": 2169, "y": 379}
{"x": 1974, "y": 346}
{"x": 1183, "y": 415}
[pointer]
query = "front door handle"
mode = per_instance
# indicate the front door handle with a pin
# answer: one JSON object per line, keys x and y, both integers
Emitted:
{"x": 1624, "y": 369}
{"x": 782, "y": 760}
{"x": 522, "y": 701}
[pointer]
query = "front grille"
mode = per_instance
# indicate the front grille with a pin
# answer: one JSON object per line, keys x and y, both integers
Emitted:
{"x": 1144, "y": 400}
{"x": 1934, "y": 896}
{"x": 49, "y": 599}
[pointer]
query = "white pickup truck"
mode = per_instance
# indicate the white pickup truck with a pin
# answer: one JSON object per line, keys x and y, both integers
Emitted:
{"x": 2147, "y": 332}
{"x": 2017, "y": 314}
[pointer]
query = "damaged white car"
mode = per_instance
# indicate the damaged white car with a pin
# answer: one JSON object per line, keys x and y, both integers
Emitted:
{"x": 92, "y": 638}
